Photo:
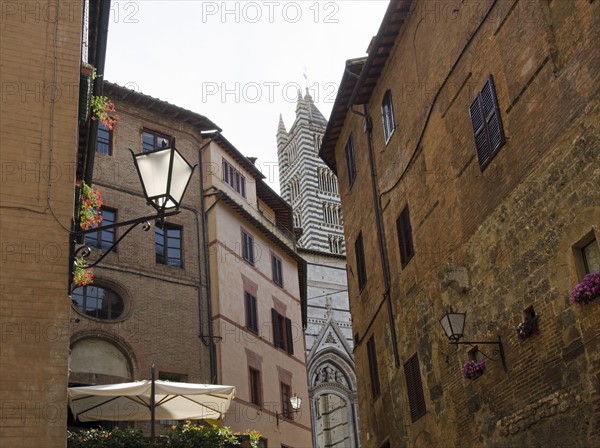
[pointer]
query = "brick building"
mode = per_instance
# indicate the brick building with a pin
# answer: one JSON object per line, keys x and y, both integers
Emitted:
{"x": 258, "y": 291}
{"x": 466, "y": 148}
{"x": 42, "y": 52}
{"x": 148, "y": 303}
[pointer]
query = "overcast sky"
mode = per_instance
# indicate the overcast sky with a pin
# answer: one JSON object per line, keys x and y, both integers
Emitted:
{"x": 240, "y": 63}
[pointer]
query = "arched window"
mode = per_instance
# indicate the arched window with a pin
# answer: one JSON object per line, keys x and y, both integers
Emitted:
{"x": 97, "y": 302}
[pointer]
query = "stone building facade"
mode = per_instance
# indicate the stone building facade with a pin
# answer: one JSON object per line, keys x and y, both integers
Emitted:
{"x": 312, "y": 190}
{"x": 466, "y": 147}
{"x": 148, "y": 303}
{"x": 258, "y": 291}
{"x": 41, "y": 52}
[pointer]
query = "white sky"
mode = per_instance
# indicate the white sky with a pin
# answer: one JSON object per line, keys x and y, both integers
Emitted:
{"x": 240, "y": 63}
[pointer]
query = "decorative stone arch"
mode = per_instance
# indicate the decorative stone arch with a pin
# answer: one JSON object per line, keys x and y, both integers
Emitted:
{"x": 98, "y": 357}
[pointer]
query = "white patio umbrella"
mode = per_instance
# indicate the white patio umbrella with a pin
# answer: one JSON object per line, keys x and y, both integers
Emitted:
{"x": 141, "y": 401}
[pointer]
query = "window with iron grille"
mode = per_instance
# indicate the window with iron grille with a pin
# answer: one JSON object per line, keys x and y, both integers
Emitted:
{"x": 487, "y": 124}
{"x": 350, "y": 162}
{"x": 414, "y": 387}
{"x": 373, "y": 367}
{"x": 255, "y": 386}
{"x": 247, "y": 247}
{"x": 234, "y": 178}
{"x": 285, "y": 401}
{"x": 251, "y": 312}
{"x": 103, "y": 238}
{"x": 282, "y": 332}
{"x": 361, "y": 268}
{"x": 167, "y": 238}
{"x": 387, "y": 115}
{"x": 405, "y": 237}
{"x": 152, "y": 140}
{"x": 104, "y": 140}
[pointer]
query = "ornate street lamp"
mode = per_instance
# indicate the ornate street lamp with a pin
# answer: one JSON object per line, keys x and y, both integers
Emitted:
{"x": 164, "y": 175}
{"x": 295, "y": 401}
{"x": 454, "y": 325}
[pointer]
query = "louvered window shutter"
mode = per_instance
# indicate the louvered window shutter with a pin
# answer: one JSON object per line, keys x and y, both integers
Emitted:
{"x": 290, "y": 338}
{"x": 414, "y": 386}
{"x": 487, "y": 124}
{"x": 276, "y": 331}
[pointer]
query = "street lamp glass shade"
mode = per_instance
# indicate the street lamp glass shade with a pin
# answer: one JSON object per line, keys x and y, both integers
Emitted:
{"x": 296, "y": 401}
{"x": 164, "y": 175}
{"x": 453, "y": 325}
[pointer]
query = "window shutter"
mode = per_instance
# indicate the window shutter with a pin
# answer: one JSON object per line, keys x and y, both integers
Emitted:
{"x": 414, "y": 388}
{"x": 289, "y": 335}
{"x": 486, "y": 122}
{"x": 276, "y": 331}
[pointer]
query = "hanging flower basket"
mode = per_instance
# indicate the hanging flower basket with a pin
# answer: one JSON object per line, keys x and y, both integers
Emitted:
{"x": 528, "y": 328}
{"x": 104, "y": 110}
{"x": 473, "y": 369}
{"x": 91, "y": 202}
{"x": 588, "y": 290}
{"x": 82, "y": 276}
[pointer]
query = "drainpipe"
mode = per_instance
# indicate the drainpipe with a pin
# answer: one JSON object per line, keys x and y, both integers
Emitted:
{"x": 207, "y": 340}
{"x": 380, "y": 234}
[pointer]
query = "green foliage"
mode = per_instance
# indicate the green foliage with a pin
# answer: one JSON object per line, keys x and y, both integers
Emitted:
{"x": 103, "y": 438}
{"x": 190, "y": 435}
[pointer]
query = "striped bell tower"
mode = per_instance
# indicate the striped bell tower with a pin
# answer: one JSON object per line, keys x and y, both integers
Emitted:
{"x": 306, "y": 182}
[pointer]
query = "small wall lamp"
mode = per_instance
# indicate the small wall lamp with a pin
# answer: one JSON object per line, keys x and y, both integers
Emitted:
{"x": 454, "y": 325}
{"x": 295, "y": 401}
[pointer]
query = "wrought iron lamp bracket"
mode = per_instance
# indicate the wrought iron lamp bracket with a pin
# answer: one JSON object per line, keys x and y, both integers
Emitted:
{"x": 495, "y": 353}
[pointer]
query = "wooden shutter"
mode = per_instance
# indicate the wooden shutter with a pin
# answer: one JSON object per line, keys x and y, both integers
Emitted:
{"x": 289, "y": 336}
{"x": 486, "y": 122}
{"x": 360, "y": 261}
{"x": 373, "y": 368}
{"x": 414, "y": 388}
{"x": 276, "y": 331}
{"x": 405, "y": 236}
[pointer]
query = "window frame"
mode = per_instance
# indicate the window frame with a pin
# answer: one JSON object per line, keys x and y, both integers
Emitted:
{"x": 234, "y": 178}
{"x": 350, "y": 160}
{"x": 95, "y": 239}
{"x": 584, "y": 257}
{"x": 387, "y": 116}
{"x": 405, "y": 239}
{"x": 414, "y": 388}
{"x": 164, "y": 259}
{"x": 251, "y": 312}
{"x": 361, "y": 268}
{"x": 248, "y": 247}
{"x": 84, "y": 300}
{"x": 255, "y": 386}
{"x": 285, "y": 391}
{"x": 277, "y": 270}
{"x": 486, "y": 121}
{"x": 373, "y": 368}
{"x": 155, "y": 137}
{"x": 283, "y": 337}
{"x": 99, "y": 140}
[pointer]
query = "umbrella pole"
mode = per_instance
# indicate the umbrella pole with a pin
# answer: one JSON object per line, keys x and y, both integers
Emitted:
{"x": 152, "y": 400}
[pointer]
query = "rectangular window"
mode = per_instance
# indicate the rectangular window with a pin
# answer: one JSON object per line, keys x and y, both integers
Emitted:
{"x": 405, "y": 237}
{"x": 350, "y": 163}
{"x": 251, "y": 313}
{"x": 247, "y": 247}
{"x": 276, "y": 267}
{"x": 285, "y": 401}
{"x": 104, "y": 140}
{"x": 361, "y": 268}
{"x": 387, "y": 115}
{"x": 105, "y": 238}
{"x": 152, "y": 140}
{"x": 416, "y": 399}
{"x": 373, "y": 368}
{"x": 234, "y": 178}
{"x": 282, "y": 332}
{"x": 591, "y": 257}
{"x": 487, "y": 124}
{"x": 255, "y": 386}
{"x": 167, "y": 240}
